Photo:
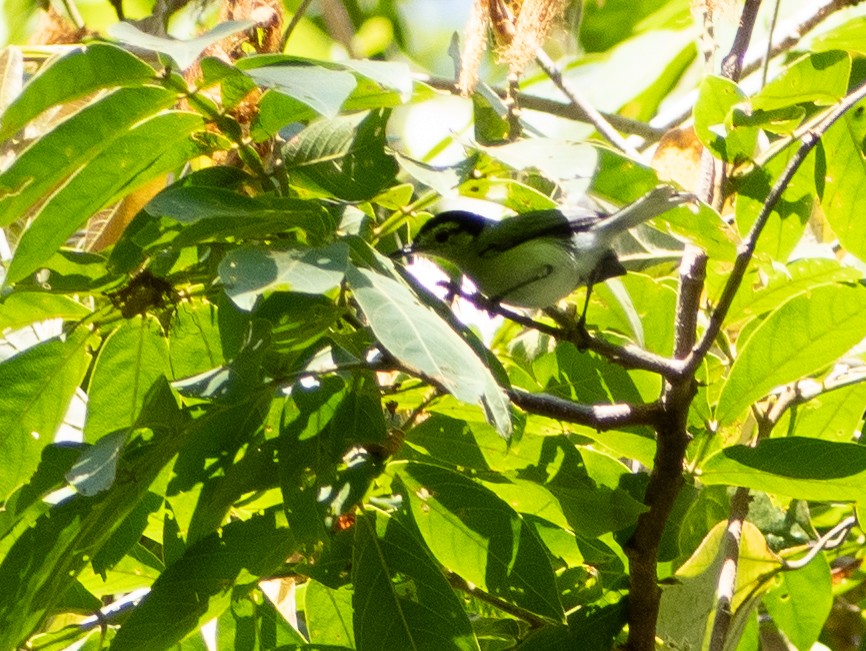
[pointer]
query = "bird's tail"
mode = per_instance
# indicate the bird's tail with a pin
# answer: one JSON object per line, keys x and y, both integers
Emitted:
{"x": 655, "y": 202}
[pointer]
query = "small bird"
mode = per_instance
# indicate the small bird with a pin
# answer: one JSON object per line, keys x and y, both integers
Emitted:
{"x": 535, "y": 259}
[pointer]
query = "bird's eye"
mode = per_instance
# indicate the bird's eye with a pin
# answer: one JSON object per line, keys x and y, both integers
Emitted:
{"x": 443, "y": 236}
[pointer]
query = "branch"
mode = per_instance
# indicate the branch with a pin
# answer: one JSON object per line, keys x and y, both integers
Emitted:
{"x": 599, "y": 417}
{"x": 747, "y": 248}
{"x": 728, "y": 573}
{"x": 570, "y": 111}
{"x": 829, "y": 540}
{"x": 296, "y": 18}
{"x": 732, "y": 65}
{"x": 458, "y": 583}
{"x": 794, "y": 31}
{"x": 666, "y": 477}
{"x": 628, "y": 356}
{"x": 576, "y": 98}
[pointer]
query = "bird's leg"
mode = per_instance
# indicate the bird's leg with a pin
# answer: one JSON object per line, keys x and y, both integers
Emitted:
{"x": 452, "y": 290}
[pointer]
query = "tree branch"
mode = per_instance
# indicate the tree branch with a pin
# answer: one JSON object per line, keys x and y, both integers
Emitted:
{"x": 600, "y": 417}
{"x": 747, "y": 248}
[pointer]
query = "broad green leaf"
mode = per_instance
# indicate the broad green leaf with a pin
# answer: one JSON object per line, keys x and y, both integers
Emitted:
{"x": 401, "y": 600}
{"x": 832, "y": 416}
{"x": 194, "y": 343}
{"x": 475, "y": 534}
{"x": 153, "y": 147}
{"x": 96, "y": 468}
{"x": 321, "y": 89}
{"x": 843, "y": 196}
{"x": 183, "y": 52}
{"x": 716, "y": 99}
{"x": 590, "y": 628}
{"x": 803, "y": 468}
{"x": 232, "y": 212}
{"x": 131, "y": 359}
{"x": 247, "y": 273}
{"x": 45, "y": 561}
{"x": 38, "y": 384}
{"x": 688, "y": 606}
{"x": 847, "y": 36}
{"x": 556, "y": 159}
{"x": 24, "y": 308}
{"x": 328, "y": 614}
{"x": 803, "y": 336}
{"x": 779, "y": 285}
{"x": 60, "y": 154}
{"x": 79, "y": 73}
{"x": 198, "y": 587}
{"x": 801, "y": 601}
{"x": 421, "y": 341}
{"x": 341, "y": 157}
{"x": 820, "y": 78}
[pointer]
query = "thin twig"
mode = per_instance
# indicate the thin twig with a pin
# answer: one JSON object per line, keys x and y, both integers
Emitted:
{"x": 769, "y": 55}
{"x": 559, "y": 109}
{"x": 296, "y": 18}
{"x": 747, "y": 248}
{"x": 576, "y": 98}
{"x": 628, "y": 356}
{"x": 830, "y": 540}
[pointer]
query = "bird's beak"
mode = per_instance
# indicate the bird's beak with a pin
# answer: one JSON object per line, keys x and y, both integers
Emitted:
{"x": 404, "y": 252}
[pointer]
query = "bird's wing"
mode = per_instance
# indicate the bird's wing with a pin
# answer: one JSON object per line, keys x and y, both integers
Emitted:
{"x": 513, "y": 231}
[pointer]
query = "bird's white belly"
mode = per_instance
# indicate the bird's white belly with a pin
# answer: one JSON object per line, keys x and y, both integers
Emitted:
{"x": 536, "y": 274}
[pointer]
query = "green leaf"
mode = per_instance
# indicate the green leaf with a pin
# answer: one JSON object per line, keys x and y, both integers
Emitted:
{"x": 820, "y": 78}
{"x": 38, "y": 384}
{"x": 84, "y": 70}
{"x": 778, "y": 285}
{"x": 342, "y": 157}
{"x": 401, "y": 600}
{"x": 475, "y": 534}
{"x": 848, "y": 36}
{"x": 816, "y": 329}
{"x": 24, "y": 308}
{"x": 183, "y": 52}
{"x": 46, "y": 559}
{"x": 843, "y": 196}
{"x": 801, "y": 602}
{"x": 194, "y": 345}
{"x": 716, "y": 99}
{"x": 413, "y": 334}
{"x": 60, "y": 154}
{"x": 832, "y": 416}
{"x": 321, "y": 89}
{"x": 328, "y": 614}
{"x": 192, "y": 204}
{"x": 198, "y": 587}
{"x": 151, "y": 148}
{"x": 249, "y": 272}
{"x": 131, "y": 359}
{"x": 803, "y": 468}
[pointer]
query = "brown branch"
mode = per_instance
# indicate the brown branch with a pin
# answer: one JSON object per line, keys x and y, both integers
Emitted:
{"x": 600, "y": 417}
{"x": 296, "y": 18}
{"x": 666, "y": 477}
{"x": 576, "y": 98}
{"x": 565, "y": 110}
{"x": 728, "y": 573}
{"x": 747, "y": 248}
{"x": 732, "y": 65}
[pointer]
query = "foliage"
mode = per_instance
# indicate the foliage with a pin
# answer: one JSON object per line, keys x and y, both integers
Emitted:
{"x": 223, "y": 402}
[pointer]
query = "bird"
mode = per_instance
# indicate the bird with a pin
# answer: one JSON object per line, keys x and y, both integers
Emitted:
{"x": 535, "y": 259}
